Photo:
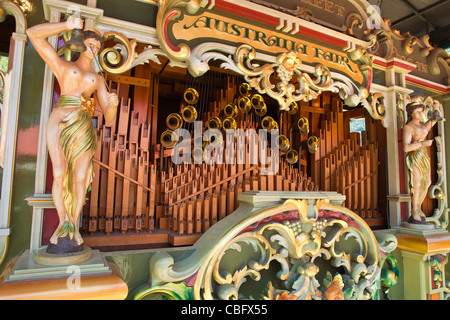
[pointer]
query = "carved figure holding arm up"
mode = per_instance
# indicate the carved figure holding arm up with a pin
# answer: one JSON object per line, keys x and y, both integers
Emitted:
{"x": 71, "y": 137}
{"x": 417, "y": 159}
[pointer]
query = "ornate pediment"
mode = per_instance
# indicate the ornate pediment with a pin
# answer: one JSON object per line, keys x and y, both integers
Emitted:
{"x": 193, "y": 34}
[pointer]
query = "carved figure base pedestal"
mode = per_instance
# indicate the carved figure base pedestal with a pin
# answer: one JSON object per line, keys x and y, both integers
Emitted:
{"x": 96, "y": 278}
{"x": 62, "y": 259}
{"x": 65, "y": 252}
{"x": 417, "y": 226}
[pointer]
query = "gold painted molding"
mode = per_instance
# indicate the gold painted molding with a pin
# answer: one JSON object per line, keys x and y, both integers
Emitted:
{"x": 100, "y": 287}
{"x": 426, "y": 245}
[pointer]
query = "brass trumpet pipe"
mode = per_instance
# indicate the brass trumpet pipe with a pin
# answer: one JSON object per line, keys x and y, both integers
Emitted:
{"x": 214, "y": 123}
{"x": 283, "y": 143}
{"x": 191, "y": 96}
{"x": 244, "y": 104}
{"x": 230, "y": 110}
{"x": 189, "y": 114}
{"x": 245, "y": 89}
{"x": 174, "y": 121}
{"x": 229, "y": 123}
{"x": 262, "y": 111}
{"x": 303, "y": 126}
{"x": 293, "y": 107}
{"x": 292, "y": 156}
{"x": 257, "y": 101}
{"x": 169, "y": 139}
{"x": 269, "y": 123}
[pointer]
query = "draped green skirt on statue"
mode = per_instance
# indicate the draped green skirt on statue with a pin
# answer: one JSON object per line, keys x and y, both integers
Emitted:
{"x": 78, "y": 136}
{"x": 419, "y": 159}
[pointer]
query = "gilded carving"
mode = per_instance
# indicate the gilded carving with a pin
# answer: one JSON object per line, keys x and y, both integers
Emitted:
{"x": 286, "y": 66}
{"x": 376, "y": 102}
{"x": 437, "y": 271}
{"x": 401, "y": 112}
{"x": 301, "y": 249}
{"x": 123, "y": 56}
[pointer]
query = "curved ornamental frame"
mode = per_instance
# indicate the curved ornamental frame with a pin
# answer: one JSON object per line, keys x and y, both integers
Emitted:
{"x": 305, "y": 247}
{"x": 9, "y": 118}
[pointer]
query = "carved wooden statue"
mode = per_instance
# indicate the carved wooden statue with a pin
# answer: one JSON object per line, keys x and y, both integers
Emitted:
{"x": 417, "y": 159}
{"x": 71, "y": 137}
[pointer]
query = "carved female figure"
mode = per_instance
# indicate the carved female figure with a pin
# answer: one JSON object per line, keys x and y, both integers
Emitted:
{"x": 417, "y": 159}
{"x": 71, "y": 137}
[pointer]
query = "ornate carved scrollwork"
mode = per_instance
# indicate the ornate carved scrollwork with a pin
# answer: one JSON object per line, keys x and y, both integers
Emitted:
{"x": 286, "y": 66}
{"x": 377, "y": 107}
{"x": 119, "y": 58}
{"x": 123, "y": 56}
{"x": 301, "y": 249}
{"x": 401, "y": 111}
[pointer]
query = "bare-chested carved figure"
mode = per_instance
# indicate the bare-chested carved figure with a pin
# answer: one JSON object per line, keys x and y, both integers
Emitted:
{"x": 417, "y": 159}
{"x": 71, "y": 137}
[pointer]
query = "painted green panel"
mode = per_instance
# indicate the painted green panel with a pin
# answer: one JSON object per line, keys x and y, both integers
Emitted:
{"x": 132, "y": 11}
{"x": 25, "y": 161}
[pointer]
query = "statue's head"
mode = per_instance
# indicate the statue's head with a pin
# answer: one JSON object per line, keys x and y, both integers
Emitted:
{"x": 411, "y": 107}
{"x": 93, "y": 41}
{"x": 94, "y": 34}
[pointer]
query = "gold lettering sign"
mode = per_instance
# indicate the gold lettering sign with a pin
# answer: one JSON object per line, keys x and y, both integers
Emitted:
{"x": 287, "y": 66}
{"x": 226, "y": 30}
{"x": 327, "y": 5}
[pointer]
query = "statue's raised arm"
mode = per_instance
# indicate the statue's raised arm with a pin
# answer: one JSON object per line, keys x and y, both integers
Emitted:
{"x": 38, "y": 35}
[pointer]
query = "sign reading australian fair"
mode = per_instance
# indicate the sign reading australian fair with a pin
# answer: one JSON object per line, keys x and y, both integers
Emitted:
{"x": 229, "y": 29}
{"x": 220, "y": 28}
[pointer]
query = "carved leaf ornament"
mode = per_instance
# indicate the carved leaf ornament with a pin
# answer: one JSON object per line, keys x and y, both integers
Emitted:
{"x": 287, "y": 70}
{"x": 299, "y": 250}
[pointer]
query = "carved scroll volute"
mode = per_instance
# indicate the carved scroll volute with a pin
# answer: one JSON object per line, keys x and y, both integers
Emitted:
{"x": 124, "y": 53}
{"x": 169, "y": 10}
{"x": 438, "y": 56}
{"x": 378, "y": 109}
{"x": 401, "y": 111}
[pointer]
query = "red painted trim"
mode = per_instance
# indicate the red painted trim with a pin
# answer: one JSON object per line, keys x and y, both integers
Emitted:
{"x": 275, "y": 21}
{"x": 279, "y": 217}
{"x": 393, "y": 63}
{"x": 246, "y": 13}
{"x": 322, "y": 37}
{"x": 441, "y": 89}
{"x": 166, "y": 35}
{"x": 402, "y": 65}
{"x": 369, "y": 80}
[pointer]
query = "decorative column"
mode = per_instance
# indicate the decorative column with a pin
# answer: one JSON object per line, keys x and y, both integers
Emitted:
{"x": 424, "y": 247}
{"x": 395, "y": 91}
{"x": 9, "y": 120}
{"x": 425, "y": 254}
